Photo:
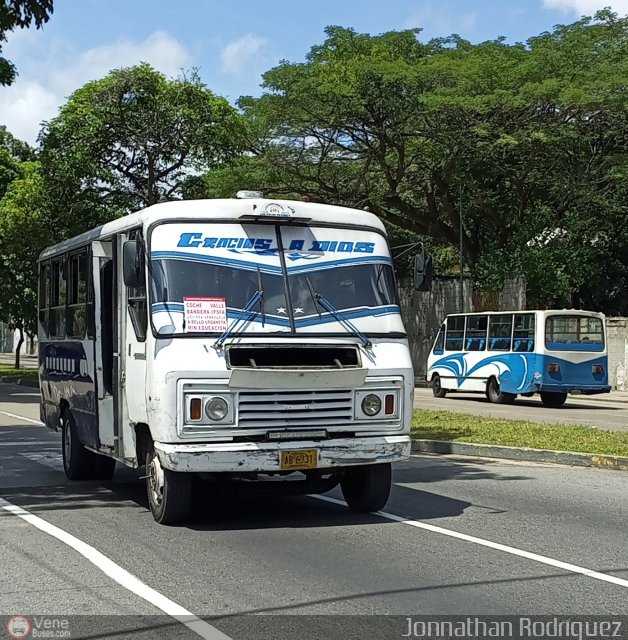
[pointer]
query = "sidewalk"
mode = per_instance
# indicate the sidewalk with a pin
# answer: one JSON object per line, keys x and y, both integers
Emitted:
{"x": 28, "y": 362}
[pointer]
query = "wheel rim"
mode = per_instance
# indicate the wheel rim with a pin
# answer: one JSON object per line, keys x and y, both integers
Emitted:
{"x": 156, "y": 480}
{"x": 437, "y": 384}
{"x": 67, "y": 440}
{"x": 493, "y": 390}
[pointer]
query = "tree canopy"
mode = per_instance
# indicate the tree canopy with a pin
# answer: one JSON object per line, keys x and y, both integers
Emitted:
{"x": 518, "y": 138}
{"x": 132, "y": 139}
{"x": 16, "y": 14}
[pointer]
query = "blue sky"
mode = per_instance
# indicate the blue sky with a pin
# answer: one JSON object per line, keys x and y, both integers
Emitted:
{"x": 232, "y": 43}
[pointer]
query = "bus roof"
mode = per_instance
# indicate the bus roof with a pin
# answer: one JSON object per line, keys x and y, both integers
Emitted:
{"x": 230, "y": 209}
{"x": 582, "y": 312}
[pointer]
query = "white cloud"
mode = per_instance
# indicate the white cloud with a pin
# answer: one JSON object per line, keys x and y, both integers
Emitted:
{"x": 240, "y": 54}
{"x": 440, "y": 23}
{"x": 49, "y": 74}
{"x": 587, "y": 7}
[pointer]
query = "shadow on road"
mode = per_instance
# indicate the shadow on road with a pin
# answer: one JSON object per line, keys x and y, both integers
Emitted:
{"x": 18, "y": 394}
{"x": 224, "y": 507}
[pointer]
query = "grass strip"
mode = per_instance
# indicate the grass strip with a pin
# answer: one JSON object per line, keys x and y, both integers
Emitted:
{"x": 460, "y": 427}
{"x": 9, "y": 372}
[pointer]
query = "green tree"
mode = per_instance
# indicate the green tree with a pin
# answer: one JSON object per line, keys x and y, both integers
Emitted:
{"x": 133, "y": 139}
{"x": 519, "y": 138}
{"x": 19, "y": 14}
{"x": 25, "y": 228}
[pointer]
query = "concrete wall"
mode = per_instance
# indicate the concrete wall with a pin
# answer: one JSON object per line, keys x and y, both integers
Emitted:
{"x": 617, "y": 337}
{"x": 423, "y": 312}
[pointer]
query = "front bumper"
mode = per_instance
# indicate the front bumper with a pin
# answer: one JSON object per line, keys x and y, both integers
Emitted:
{"x": 264, "y": 456}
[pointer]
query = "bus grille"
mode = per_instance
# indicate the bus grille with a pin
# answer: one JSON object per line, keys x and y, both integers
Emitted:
{"x": 295, "y": 408}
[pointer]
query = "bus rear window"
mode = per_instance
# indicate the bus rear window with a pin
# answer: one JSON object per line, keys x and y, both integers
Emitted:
{"x": 574, "y": 333}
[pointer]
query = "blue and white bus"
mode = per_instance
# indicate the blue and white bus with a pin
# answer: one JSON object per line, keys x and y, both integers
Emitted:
{"x": 234, "y": 338}
{"x": 506, "y": 354}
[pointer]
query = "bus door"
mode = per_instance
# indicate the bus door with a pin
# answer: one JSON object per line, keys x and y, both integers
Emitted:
{"x": 105, "y": 340}
{"x": 132, "y": 331}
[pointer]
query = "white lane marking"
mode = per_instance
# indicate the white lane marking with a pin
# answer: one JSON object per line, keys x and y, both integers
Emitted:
{"x": 494, "y": 545}
{"x": 120, "y": 575}
{"x": 51, "y": 460}
{"x": 24, "y": 443}
{"x": 14, "y": 415}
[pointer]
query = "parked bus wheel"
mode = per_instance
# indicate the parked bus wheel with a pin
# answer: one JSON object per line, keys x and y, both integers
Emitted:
{"x": 78, "y": 462}
{"x": 553, "y": 400}
{"x": 367, "y": 488}
{"x": 496, "y": 395}
{"x": 437, "y": 389}
{"x": 169, "y": 492}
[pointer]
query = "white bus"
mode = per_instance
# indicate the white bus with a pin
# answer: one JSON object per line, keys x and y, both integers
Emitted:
{"x": 505, "y": 354}
{"x": 244, "y": 337}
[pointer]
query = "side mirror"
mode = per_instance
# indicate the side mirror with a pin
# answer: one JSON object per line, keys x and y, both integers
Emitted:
{"x": 423, "y": 272}
{"x": 132, "y": 264}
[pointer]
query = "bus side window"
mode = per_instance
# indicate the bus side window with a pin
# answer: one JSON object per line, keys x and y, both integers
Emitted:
{"x": 475, "y": 334}
{"x": 58, "y": 298}
{"x": 136, "y": 299}
{"x": 44, "y": 297}
{"x": 106, "y": 324}
{"x": 523, "y": 334}
{"x": 500, "y": 332}
{"x": 439, "y": 343}
{"x": 454, "y": 339}
{"x": 77, "y": 295}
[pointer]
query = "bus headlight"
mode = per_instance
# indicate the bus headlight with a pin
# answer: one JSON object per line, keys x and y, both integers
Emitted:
{"x": 371, "y": 404}
{"x": 216, "y": 408}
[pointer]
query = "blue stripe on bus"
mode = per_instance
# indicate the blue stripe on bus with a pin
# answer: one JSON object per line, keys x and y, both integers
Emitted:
{"x": 308, "y": 321}
{"x": 528, "y": 372}
{"x": 266, "y": 268}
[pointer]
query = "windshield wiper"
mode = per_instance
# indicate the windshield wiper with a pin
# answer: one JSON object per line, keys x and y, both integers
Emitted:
{"x": 261, "y": 292}
{"x": 258, "y": 296}
{"x": 340, "y": 317}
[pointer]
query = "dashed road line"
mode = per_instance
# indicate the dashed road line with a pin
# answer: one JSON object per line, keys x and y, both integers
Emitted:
{"x": 559, "y": 564}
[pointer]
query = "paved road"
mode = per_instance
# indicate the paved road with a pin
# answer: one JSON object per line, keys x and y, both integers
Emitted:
{"x": 605, "y": 413}
{"x": 240, "y": 556}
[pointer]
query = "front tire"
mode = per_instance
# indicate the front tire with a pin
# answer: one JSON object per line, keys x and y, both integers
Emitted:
{"x": 367, "y": 488}
{"x": 169, "y": 492}
{"x": 496, "y": 395}
{"x": 437, "y": 388}
{"x": 553, "y": 400}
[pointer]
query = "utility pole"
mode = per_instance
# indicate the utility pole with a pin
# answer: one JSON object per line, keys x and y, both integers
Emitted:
{"x": 461, "y": 254}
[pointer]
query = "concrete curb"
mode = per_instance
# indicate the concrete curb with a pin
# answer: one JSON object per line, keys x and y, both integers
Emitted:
{"x": 602, "y": 461}
{"x": 23, "y": 382}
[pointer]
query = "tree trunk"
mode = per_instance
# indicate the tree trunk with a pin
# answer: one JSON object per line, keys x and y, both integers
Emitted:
{"x": 19, "y": 346}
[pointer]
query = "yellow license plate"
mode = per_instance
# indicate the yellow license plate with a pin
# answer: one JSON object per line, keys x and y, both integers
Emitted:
{"x": 302, "y": 459}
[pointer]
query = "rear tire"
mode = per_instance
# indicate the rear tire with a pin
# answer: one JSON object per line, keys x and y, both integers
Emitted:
{"x": 169, "y": 492}
{"x": 437, "y": 388}
{"x": 367, "y": 488}
{"x": 553, "y": 400}
{"x": 78, "y": 462}
{"x": 496, "y": 395}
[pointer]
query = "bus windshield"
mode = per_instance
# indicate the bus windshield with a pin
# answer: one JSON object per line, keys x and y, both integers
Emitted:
{"x": 574, "y": 333}
{"x": 203, "y": 276}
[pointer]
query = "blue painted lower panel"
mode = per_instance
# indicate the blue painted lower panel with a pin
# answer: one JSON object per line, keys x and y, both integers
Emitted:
{"x": 64, "y": 376}
{"x": 520, "y": 373}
